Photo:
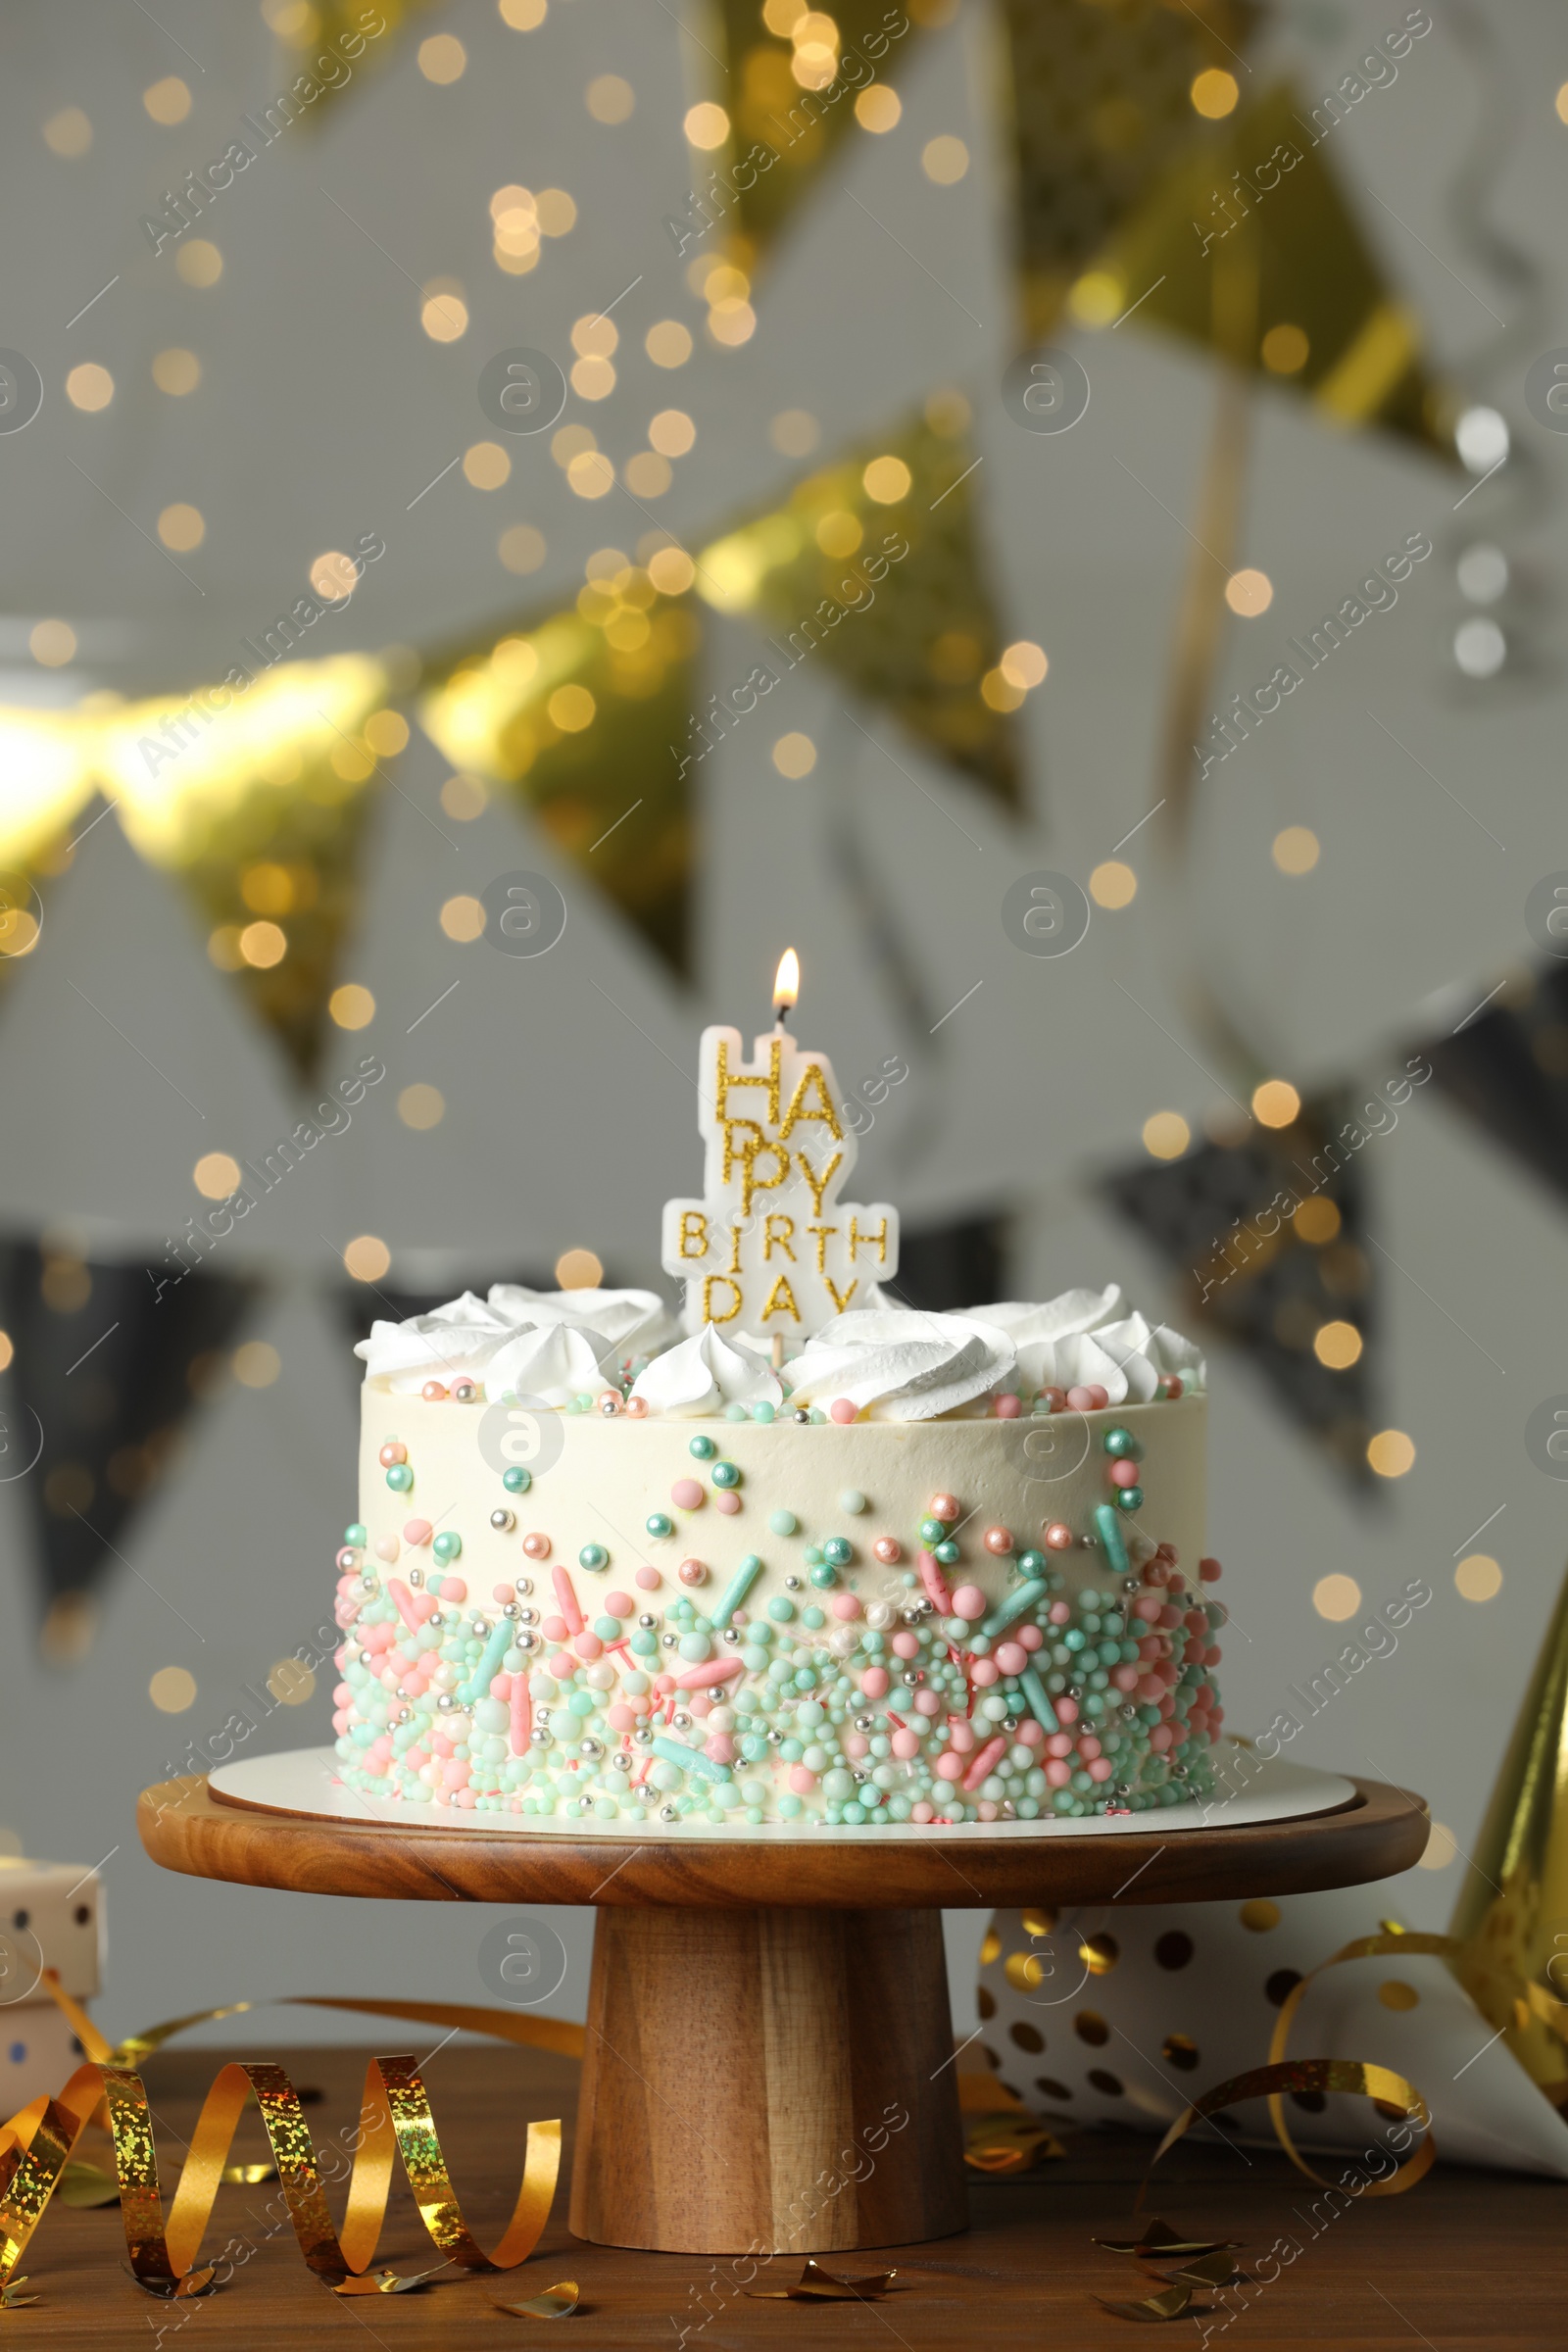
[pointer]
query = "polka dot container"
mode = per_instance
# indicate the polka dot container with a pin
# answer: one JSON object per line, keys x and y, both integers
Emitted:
{"x": 827, "y": 1619}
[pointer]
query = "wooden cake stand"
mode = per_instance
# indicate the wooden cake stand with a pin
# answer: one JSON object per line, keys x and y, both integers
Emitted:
{"x": 760, "y": 2017}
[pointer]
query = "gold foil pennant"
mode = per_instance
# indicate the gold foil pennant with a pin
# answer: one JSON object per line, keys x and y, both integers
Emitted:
{"x": 817, "y": 2285}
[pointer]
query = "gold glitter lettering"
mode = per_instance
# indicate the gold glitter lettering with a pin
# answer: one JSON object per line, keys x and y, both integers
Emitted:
{"x": 709, "y": 1315}
{"x": 734, "y": 1158}
{"x": 812, "y": 1081}
{"x": 734, "y": 1266}
{"x": 823, "y": 1234}
{"x": 841, "y": 1303}
{"x": 723, "y": 1081}
{"x": 782, "y": 1238}
{"x": 857, "y": 1237}
{"x": 751, "y": 1183}
{"x": 781, "y": 1299}
{"x": 691, "y": 1218}
{"x": 819, "y": 1184}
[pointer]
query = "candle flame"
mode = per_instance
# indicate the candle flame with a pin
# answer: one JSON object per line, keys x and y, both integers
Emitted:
{"x": 787, "y": 979}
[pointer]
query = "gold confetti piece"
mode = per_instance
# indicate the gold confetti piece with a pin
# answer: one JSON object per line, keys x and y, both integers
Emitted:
{"x": 1211, "y": 2269}
{"x": 387, "y": 2282}
{"x": 1161, "y": 2243}
{"x": 1010, "y": 2143}
{"x": 556, "y": 2303}
{"x": 84, "y": 2184}
{"x": 249, "y": 2175}
{"x": 1170, "y": 2305}
{"x": 816, "y": 2285}
{"x": 12, "y": 2298}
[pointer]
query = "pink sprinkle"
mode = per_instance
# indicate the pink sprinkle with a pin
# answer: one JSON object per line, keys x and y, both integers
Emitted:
{"x": 621, "y": 1719}
{"x": 1060, "y": 1612}
{"x": 1101, "y": 1769}
{"x": 1124, "y": 1474}
{"x": 1030, "y": 1733}
{"x": 617, "y": 1604}
{"x": 1059, "y": 1744}
{"x": 501, "y": 1592}
{"x": 856, "y": 1745}
{"x": 466, "y": 1800}
{"x": 874, "y": 1682}
{"x": 1160, "y": 1738}
{"x": 648, "y": 1580}
{"x": 588, "y": 1645}
{"x": 992, "y": 1753}
{"x": 555, "y": 1629}
{"x": 1030, "y": 1636}
{"x": 842, "y": 1409}
{"x": 453, "y": 1589}
{"x": 728, "y": 1503}
{"x": 906, "y": 1744}
{"x": 1008, "y": 1408}
{"x": 1210, "y": 1571}
{"x": 1081, "y": 1400}
{"x": 1124, "y": 1678}
{"x": 568, "y": 1598}
{"x": 948, "y": 1766}
{"x": 403, "y": 1600}
{"x": 926, "y": 1702}
{"x": 802, "y": 1781}
{"x": 703, "y": 1677}
{"x": 386, "y": 1547}
{"x": 1058, "y": 1774}
{"x": 1012, "y": 1657}
{"x": 921, "y": 1812}
{"x": 961, "y": 1738}
{"x": 936, "y": 1583}
{"x": 906, "y": 1646}
{"x": 686, "y": 1495}
{"x": 720, "y": 1748}
{"x": 1098, "y": 1398}
{"x": 983, "y": 1672}
{"x": 417, "y": 1530}
{"x": 522, "y": 1714}
{"x": 1066, "y": 1710}
{"x": 969, "y": 1603}
{"x": 664, "y": 1684}
{"x": 986, "y": 1810}
{"x": 844, "y": 1605}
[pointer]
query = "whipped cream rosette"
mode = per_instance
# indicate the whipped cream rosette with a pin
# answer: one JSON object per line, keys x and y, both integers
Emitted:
{"x": 706, "y": 1373}
{"x": 901, "y": 1365}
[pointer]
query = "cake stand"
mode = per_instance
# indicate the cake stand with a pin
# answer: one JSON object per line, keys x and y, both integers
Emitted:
{"x": 761, "y": 2015}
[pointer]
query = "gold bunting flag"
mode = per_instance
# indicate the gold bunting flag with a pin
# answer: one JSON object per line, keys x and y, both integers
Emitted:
{"x": 797, "y": 80}
{"x": 38, "y": 2145}
{"x": 588, "y": 717}
{"x": 1247, "y": 248}
{"x": 873, "y": 570}
{"x": 253, "y": 795}
{"x": 1106, "y": 101}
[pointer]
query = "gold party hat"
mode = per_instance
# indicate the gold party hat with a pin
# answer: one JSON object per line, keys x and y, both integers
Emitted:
{"x": 1512, "y": 1913}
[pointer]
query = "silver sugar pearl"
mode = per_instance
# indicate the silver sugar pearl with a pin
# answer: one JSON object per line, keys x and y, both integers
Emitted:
{"x": 482, "y": 1626}
{"x": 1009, "y": 1811}
{"x": 911, "y": 1678}
{"x": 912, "y": 1616}
{"x": 527, "y": 1616}
{"x": 525, "y": 1642}
{"x": 647, "y": 1621}
{"x": 1128, "y": 1714}
{"x": 510, "y": 1609}
{"x": 505, "y": 1521}
{"x": 540, "y": 1736}
{"x": 415, "y": 1576}
{"x": 1132, "y": 1584}
{"x": 620, "y": 1763}
{"x": 1009, "y": 1723}
{"x": 775, "y": 1737}
{"x": 681, "y": 1721}
{"x": 1086, "y": 1542}
{"x": 859, "y": 1773}
{"x": 732, "y": 1635}
{"x": 446, "y": 1702}
{"x": 435, "y": 1618}
{"x": 669, "y": 1813}
{"x": 863, "y": 1723}
{"x": 643, "y": 1736}
{"x": 522, "y": 1586}
{"x": 792, "y": 1584}
{"x": 802, "y": 1414}
{"x": 366, "y": 1584}
{"x": 589, "y": 1747}
{"x": 670, "y": 1640}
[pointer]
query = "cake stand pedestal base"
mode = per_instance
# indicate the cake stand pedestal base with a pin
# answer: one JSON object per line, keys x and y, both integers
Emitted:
{"x": 775, "y": 2080}
{"x": 770, "y": 2061}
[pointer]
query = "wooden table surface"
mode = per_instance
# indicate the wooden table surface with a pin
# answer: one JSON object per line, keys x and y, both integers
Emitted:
{"x": 1466, "y": 2258}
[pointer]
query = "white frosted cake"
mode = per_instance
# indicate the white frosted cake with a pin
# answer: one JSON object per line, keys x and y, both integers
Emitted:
{"x": 925, "y": 1569}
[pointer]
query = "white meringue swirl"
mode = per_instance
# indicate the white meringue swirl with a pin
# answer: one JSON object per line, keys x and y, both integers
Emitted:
{"x": 704, "y": 1373}
{"x": 902, "y": 1366}
{"x": 1091, "y": 1338}
{"x": 549, "y": 1344}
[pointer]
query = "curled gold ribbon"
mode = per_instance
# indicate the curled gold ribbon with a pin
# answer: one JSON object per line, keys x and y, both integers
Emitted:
{"x": 37, "y": 2145}
{"x": 1350, "y": 2075}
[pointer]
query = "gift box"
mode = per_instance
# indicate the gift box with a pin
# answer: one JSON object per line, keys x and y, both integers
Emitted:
{"x": 51, "y": 1916}
{"x": 1125, "y": 2015}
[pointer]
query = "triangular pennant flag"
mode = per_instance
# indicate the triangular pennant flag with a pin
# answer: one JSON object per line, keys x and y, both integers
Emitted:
{"x": 1508, "y": 1069}
{"x": 873, "y": 567}
{"x": 584, "y": 716}
{"x": 48, "y": 783}
{"x": 105, "y": 1362}
{"x": 1269, "y": 1233}
{"x": 1103, "y": 106}
{"x": 1248, "y": 246}
{"x": 317, "y": 38}
{"x": 795, "y": 81}
{"x": 253, "y": 795}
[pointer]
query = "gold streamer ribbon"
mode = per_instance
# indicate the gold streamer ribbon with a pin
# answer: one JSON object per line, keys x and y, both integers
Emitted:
{"x": 37, "y": 2145}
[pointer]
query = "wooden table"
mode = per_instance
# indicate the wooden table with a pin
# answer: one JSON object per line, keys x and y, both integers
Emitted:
{"x": 794, "y": 2000}
{"x": 1467, "y": 2258}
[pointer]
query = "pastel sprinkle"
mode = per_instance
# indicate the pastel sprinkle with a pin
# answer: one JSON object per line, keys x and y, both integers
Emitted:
{"x": 478, "y": 1683}
{"x": 735, "y": 1592}
{"x": 1021, "y": 1597}
{"x": 1040, "y": 1706}
{"x": 686, "y": 1495}
{"x": 566, "y": 1596}
{"x": 691, "y": 1759}
{"x": 842, "y": 1409}
{"x": 729, "y": 1504}
{"x": 936, "y": 1584}
{"x": 711, "y": 1671}
{"x": 784, "y": 1523}
{"x": 1110, "y": 1536}
{"x": 991, "y": 1755}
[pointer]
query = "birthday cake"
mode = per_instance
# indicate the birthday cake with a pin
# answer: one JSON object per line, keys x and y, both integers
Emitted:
{"x": 821, "y": 1560}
